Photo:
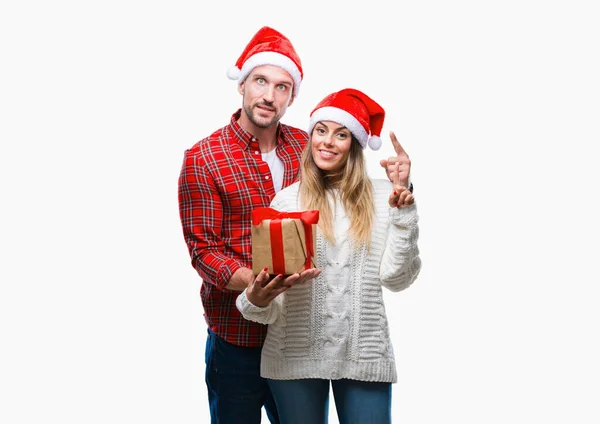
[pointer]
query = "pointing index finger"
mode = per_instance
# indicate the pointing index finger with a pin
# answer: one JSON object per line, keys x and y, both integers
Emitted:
{"x": 397, "y": 147}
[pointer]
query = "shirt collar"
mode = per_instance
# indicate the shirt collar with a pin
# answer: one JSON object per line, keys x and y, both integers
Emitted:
{"x": 244, "y": 138}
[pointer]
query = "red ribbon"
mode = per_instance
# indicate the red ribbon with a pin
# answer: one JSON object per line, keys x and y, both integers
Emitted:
{"x": 308, "y": 218}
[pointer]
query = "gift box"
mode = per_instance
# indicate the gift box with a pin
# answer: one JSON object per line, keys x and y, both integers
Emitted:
{"x": 283, "y": 242}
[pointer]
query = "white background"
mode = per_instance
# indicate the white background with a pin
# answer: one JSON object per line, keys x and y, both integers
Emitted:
{"x": 496, "y": 102}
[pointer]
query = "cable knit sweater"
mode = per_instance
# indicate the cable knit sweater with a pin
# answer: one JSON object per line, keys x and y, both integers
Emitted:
{"x": 335, "y": 326}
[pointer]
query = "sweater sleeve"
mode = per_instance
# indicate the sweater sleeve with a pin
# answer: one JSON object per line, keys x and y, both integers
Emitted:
{"x": 263, "y": 315}
{"x": 400, "y": 263}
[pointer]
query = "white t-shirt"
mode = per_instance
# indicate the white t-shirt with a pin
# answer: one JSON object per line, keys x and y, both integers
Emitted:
{"x": 276, "y": 167}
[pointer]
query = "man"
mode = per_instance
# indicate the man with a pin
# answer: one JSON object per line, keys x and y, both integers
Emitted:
{"x": 223, "y": 178}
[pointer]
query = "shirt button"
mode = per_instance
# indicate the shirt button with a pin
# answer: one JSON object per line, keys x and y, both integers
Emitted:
{"x": 267, "y": 177}
{"x": 253, "y": 138}
{"x": 257, "y": 152}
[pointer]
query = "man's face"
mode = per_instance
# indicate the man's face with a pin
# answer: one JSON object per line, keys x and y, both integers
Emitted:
{"x": 267, "y": 94}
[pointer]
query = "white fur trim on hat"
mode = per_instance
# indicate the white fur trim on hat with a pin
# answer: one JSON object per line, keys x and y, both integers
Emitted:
{"x": 329, "y": 113}
{"x": 271, "y": 58}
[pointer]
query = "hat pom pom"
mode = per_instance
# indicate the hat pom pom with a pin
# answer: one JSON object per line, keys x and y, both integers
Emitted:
{"x": 233, "y": 73}
{"x": 375, "y": 142}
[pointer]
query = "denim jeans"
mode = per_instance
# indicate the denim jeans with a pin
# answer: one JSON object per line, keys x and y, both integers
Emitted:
{"x": 356, "y": 402}
{"x": 236, "y": 391}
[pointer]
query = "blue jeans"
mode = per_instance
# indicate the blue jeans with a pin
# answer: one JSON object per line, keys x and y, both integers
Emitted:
{"x": 356, "y": 402}
{"x": 236, "y": 391}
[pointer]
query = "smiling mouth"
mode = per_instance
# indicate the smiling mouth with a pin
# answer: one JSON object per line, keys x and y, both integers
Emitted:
{"x": 327, "y": 153}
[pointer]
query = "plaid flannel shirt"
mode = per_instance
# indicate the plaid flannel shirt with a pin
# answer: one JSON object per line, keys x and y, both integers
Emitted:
{"x": 223, "y": 178}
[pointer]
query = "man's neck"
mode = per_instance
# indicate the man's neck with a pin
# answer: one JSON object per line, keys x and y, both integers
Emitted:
{"x": 267, "y": 137}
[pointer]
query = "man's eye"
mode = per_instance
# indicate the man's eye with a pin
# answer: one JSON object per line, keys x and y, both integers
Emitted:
{"x": 282, "y": 87}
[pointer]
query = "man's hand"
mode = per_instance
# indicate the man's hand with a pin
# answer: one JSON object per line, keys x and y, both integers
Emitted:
{"x": 304, "y": 277}
{"x": 240, "y": 279}
{"x": 402, "y": 159}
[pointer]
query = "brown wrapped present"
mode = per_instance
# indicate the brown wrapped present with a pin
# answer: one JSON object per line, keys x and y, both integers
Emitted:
{"x": 283, "y": 242}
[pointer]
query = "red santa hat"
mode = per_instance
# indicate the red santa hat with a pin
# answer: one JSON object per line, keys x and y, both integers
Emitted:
{"x": 268, "y": 47}
{"x": 354, "y": 110}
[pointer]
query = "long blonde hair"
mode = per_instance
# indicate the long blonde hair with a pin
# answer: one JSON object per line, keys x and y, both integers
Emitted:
{"x": 355, "y": 189}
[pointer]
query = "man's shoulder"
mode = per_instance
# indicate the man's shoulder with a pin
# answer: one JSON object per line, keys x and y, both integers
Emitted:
{"x": 205, "y": 145}
{"x": 294, "y": 133}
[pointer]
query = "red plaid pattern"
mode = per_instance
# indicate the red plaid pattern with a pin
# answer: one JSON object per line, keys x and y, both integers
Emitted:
{"x": 223, "y": 178}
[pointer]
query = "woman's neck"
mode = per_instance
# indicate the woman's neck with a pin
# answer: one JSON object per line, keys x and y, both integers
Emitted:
{"x": 332, "y": 181}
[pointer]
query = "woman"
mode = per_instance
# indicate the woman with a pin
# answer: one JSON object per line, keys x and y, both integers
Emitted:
{"x": 334, "y": 329}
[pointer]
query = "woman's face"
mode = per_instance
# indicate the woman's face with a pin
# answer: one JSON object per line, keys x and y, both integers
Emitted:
{"x": 330, "y": 144}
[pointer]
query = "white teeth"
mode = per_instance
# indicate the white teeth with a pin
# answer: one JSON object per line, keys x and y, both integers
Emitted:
{"x": 324, "y": 153}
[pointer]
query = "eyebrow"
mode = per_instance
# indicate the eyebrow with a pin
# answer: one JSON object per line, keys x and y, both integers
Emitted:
{"x": 337, "y": 129}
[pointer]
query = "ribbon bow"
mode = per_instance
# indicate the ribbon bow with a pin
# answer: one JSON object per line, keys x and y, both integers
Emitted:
{"x": 260, "y": 214}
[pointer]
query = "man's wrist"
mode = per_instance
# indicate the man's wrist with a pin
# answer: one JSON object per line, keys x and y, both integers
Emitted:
{"x": 240, "y": 279}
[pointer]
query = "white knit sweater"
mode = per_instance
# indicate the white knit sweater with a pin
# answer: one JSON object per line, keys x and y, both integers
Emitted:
{"x": 335, "y": 326}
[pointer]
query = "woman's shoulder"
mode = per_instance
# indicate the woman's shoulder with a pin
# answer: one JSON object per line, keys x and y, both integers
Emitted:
{"x": 290, "y": 190}
{"x": 287, "y": 196}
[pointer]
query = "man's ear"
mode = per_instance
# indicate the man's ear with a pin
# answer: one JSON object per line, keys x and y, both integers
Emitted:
{"x": 292, "y": 100}
{"x": 241, "y": 87}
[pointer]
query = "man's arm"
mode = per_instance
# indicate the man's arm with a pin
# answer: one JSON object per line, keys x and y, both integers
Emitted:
{"x": 240, "y": 279}
{"x": 201, "y": 213}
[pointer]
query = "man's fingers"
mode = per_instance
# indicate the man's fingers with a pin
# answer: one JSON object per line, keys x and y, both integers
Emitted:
{"x": 310, "y": 274}
{"x": 281, "y": 283}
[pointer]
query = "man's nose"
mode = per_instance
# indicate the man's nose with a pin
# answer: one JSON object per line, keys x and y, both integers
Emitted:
{"x": 269, "y": 94}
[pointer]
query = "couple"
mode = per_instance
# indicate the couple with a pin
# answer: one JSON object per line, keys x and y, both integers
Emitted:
{"x": 281, "y": 344}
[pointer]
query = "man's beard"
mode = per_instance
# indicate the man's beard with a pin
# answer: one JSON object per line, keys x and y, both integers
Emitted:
{"x": 250, "y": 113}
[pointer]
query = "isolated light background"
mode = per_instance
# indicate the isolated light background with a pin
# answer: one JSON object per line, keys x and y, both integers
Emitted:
{"x": 495, "y": 102}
